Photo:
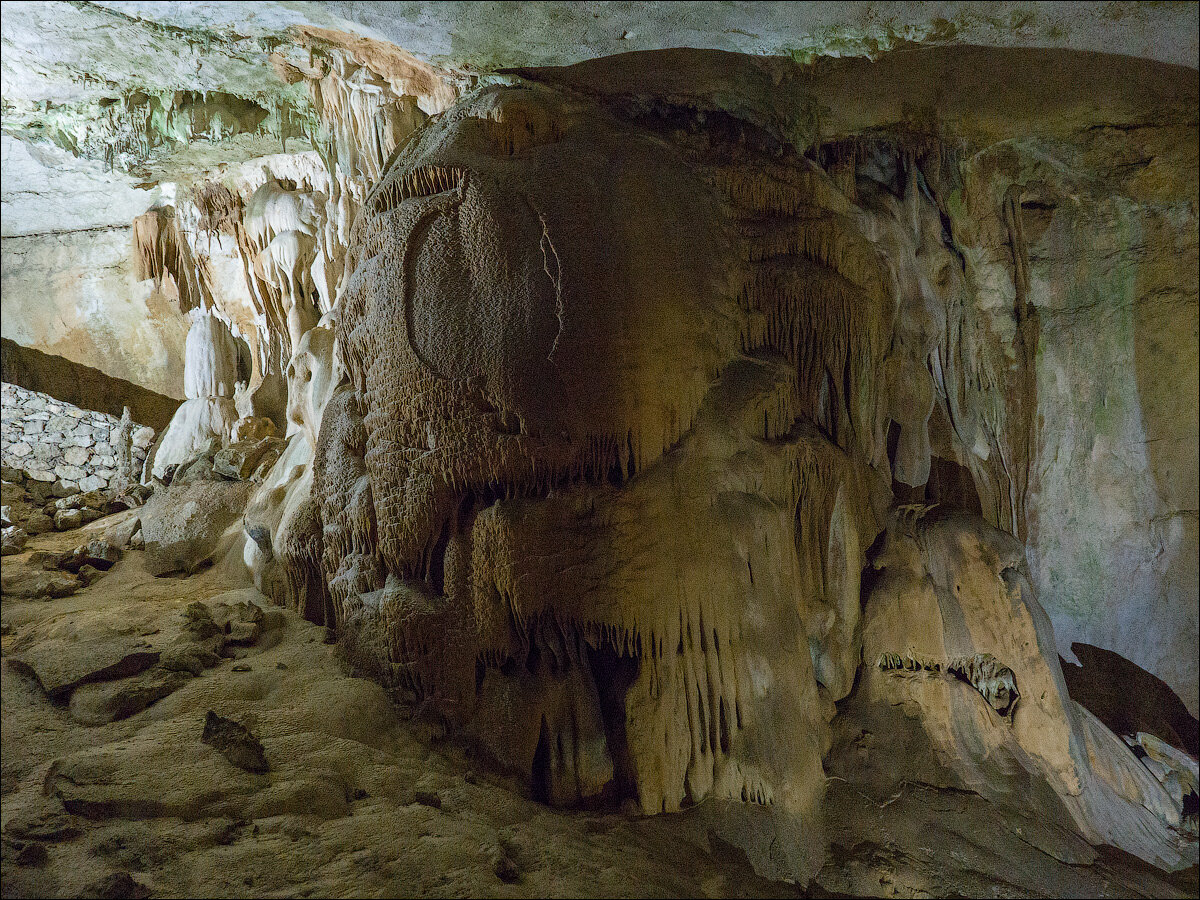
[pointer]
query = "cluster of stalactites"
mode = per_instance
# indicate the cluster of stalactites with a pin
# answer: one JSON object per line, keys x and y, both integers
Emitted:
{"x": 126, "y": 133}
{"x": 220, "y": 208}
{"x": 423, "y": 181}
{"x": 365, "y": 120}
{"x": 160, "y": 251}
{"x": 689, "y": 698}
{"x": 994, "y": 681}
{"x": 814, "y": 291}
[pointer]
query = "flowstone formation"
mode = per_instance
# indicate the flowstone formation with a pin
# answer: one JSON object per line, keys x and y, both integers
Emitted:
{"x": 632, "y": 385}
{"x": 952, "y": 618}
{"x": 207, "y": 417}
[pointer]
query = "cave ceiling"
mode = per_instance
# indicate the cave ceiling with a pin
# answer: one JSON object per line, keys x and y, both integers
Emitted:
{"x": 123, "y": 97}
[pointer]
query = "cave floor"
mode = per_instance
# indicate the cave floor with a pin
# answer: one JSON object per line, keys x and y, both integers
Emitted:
{"x": 355, "y": 804}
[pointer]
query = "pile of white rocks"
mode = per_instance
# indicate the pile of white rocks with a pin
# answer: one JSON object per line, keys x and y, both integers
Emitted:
{"x": 62, "y": 445}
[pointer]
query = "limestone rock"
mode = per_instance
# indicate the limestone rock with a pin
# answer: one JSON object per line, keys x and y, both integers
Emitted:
{"x": 98, "y": 553}
{"x": 39, "y": 523}
{"x": 47, "y": 559}
{"x": 197, "y": 468}
{"x": 252, "y": 429}
{"x": 182, "y": 524}
{"x": 93, "y": 499}
{"x": 189, "y": 657}
{"x": 235, "y": 742}
{"x": 110, "y": 701}
{"x": 13, "y": 540}
{"x": 953, "y": 626}
{"x": 70, "y": 473}
{"x": 93, "y": 482}
{"x": 66, "y": 519}
{"x": 62, "y": 666}
{"x": 64, "y": 488}
{"x": 240, "y": 460}
{"x": 120, "y": 534}
{"x": 87, "y": 575}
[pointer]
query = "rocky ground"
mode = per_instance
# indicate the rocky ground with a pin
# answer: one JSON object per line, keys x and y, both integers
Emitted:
{"x": 182, "y": 737}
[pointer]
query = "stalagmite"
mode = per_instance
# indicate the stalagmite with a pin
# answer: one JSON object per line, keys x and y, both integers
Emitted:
{"x": 207, "y": 417}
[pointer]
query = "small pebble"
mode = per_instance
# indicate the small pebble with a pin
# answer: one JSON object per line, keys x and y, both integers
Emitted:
{"x": 429, "y": 798}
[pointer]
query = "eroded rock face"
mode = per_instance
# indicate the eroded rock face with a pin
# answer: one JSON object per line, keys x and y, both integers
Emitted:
{"x": 953, "y": 632}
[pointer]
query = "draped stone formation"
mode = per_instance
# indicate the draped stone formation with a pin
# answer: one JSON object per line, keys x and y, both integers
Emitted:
{"x": 630, "y": 393}
{"x": 206, "y": 419}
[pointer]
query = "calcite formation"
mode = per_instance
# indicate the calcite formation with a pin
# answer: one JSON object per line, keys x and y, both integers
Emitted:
{"x": 676, "y": 430}
{"x": 953, "y": 605}
{"x": 209, "y": 414}
{"x": 629, "y": 394}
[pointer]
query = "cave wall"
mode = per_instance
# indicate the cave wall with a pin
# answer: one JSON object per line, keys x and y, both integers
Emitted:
{"x": 781, "y": 305}
{"x": 73, "y": 294}
{"x": 82, "y": 386}
{"x": 66, "y": 272}
{"x": 1114, "y": 546}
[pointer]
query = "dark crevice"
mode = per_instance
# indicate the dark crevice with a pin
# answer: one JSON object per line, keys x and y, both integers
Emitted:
{"x": 539, "y": 782}
{"x": 613, "y": 675}
{"x": 1128, "y": 699}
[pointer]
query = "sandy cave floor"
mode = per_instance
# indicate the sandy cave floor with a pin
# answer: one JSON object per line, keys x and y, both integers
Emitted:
{"x": 356, "y": 805}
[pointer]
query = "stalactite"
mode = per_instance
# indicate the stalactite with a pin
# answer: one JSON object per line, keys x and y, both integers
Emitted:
{"x": 159, "y": 251}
